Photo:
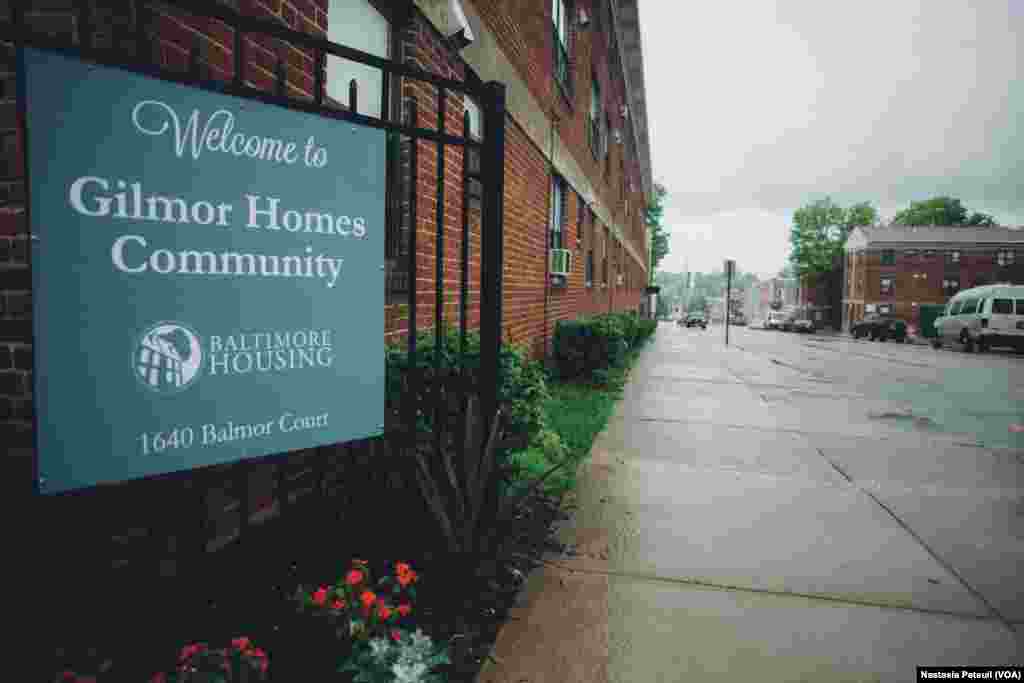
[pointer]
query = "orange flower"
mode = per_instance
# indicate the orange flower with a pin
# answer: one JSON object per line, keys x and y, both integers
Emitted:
{"x": 404, "y": 609}
{"x": 368, "y": 598}
{"x": 406, "y": 578}
{"x": 320, "y": 596}
{"x": 402, "y": 568}
{"x": 383, "y": 611}
{"x": 354, "y": 577}
{"x": 242, "y": 643}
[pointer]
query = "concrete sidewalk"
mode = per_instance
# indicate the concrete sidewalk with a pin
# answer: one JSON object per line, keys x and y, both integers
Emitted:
{"x": 719, "y": 536}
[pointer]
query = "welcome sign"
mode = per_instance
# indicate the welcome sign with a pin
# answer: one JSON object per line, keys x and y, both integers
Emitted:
{"x": 208, "y": 275}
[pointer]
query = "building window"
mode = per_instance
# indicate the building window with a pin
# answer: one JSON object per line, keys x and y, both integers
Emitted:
{"x": 560, "y": 27}
{"x": 1020, "y": 306}
{"x": 886, "y": 286}
{"x": 888, "y": 257}
{"x": 1005, "y": 257}
{"x": 357, "y": 24}
{"x": 604, "y": 259}
{"x": 476, "y": 119}
{"x": 950, "y": 286}
{"x": 596, "y": 115}
{"x": 928, "y": 253}
{"x": 884, "y": 309}
{"x": 910, "y": 253}
{"x": 952, "y": 257}
{"x": 581, "y": 219}
{"x": 1002, "y": 306}
{"x": 588, "y": 274}
{"x": 556, "y": 213}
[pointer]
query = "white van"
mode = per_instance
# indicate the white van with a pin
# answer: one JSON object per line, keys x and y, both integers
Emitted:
{"x": 983, "y": 317}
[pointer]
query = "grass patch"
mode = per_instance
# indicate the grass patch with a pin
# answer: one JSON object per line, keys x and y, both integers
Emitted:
{"x": 576, "y": 412}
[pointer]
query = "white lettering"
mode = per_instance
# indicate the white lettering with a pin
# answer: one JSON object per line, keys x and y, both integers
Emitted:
{"x": 210, "y": 137}
{"x": 117, "y": 253}
{"x": 75, "y": 197}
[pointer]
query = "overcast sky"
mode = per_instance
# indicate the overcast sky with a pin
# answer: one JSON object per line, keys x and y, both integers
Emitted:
{"x": 756, "y": 107}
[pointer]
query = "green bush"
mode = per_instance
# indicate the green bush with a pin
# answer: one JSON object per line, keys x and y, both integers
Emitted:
{"x": 591, "y": 346}
{"x": 522, "y": 381}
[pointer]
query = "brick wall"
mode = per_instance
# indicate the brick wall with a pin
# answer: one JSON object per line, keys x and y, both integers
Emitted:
{"x": 977, "y": 265}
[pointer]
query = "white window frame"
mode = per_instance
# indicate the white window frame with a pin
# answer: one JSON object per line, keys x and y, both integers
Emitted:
{"x": 556, "y": 219}
{"x": 359, "y": 23}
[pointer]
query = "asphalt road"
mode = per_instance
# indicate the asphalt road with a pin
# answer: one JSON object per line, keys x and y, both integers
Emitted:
{"x": 789, "y": 508}
{"x": 973, "y": 397}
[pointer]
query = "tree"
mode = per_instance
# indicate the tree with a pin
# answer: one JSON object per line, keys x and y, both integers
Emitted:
{"x": 653, "y": 217}
{"x": 819, "y": 232}
{"x": 941, "y": 211}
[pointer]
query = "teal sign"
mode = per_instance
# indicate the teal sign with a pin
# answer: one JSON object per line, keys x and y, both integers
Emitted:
{"x": 208, "y": 275}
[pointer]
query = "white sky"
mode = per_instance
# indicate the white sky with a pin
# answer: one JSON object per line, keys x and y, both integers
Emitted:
{"x": 756, "y": 107}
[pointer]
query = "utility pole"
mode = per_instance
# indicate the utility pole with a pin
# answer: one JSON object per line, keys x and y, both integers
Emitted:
{"x": 730, "y": 265}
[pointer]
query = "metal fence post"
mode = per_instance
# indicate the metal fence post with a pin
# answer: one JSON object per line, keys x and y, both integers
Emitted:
{"x": 492, "y": 246}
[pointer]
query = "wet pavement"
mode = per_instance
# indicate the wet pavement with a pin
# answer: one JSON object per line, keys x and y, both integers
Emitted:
{"x": 794, "y": 508}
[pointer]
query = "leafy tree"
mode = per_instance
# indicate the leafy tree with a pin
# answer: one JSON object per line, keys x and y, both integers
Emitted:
{"x": 941, "y": 211}
{"x": 659, "y": 235}
{"x": 819, "y": 233}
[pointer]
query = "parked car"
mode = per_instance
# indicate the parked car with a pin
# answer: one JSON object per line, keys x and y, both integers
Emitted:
{"x": 774, "y": 320}
{"x": 880, "y": 328}
{"x": 983, "y": 317}
{"x": 697, "y": 320}
{"x": 803, "y": 324}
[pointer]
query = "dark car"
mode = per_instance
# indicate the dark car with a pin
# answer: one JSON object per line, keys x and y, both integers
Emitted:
{"x": 880, "y": 328}
{"x": 696, "y": 320}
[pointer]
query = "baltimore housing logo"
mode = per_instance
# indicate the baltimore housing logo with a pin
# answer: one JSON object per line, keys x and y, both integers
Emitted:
{"x": 167, "y": 357}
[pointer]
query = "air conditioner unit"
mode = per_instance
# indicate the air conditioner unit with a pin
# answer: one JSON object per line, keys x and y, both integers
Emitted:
{"x": 584, "y": 19}
{"x": 617, "y": 134}
{"x": 559, "y": 261}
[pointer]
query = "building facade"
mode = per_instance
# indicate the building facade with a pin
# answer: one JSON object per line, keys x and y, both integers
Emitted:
{"x": 577, "y": 155}
{"x": 894, "y": 269}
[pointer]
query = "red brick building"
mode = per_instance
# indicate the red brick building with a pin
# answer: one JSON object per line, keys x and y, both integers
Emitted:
{"x": 577, "y": 153}
{"x": 894, "y": 269}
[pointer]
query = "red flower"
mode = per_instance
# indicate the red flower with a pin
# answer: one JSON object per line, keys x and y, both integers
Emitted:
{"x": 241, "y": 644}
{"x": 338, "y": 604}
{"x": 402, "y": 568}
{"x": 404, "y": 609}
{"x": 368, "y": 598}
{"x": 383, "y": 611}
{"x": 320, "y": 596}
{"x": 189, "y": 651}
{"x": 396, "y": 635}
{"x": 354, "y": 577}
{"x": 405, "y": 578}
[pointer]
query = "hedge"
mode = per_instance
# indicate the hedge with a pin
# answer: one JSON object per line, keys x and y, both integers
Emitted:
{"x": 594, "y": 344}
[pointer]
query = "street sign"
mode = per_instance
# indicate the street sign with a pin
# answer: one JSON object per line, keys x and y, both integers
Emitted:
{"x": 208, "y": 276}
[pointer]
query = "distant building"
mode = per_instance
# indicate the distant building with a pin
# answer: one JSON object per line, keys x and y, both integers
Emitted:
{"x": 894, "y": 269}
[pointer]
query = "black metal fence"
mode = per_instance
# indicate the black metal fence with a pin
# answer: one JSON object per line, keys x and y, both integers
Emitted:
{"x": 141, "y": 565}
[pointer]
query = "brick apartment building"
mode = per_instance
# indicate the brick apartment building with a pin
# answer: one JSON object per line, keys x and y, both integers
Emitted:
{"x": 577, "y": 154}
{"x": 894, "y": 269}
